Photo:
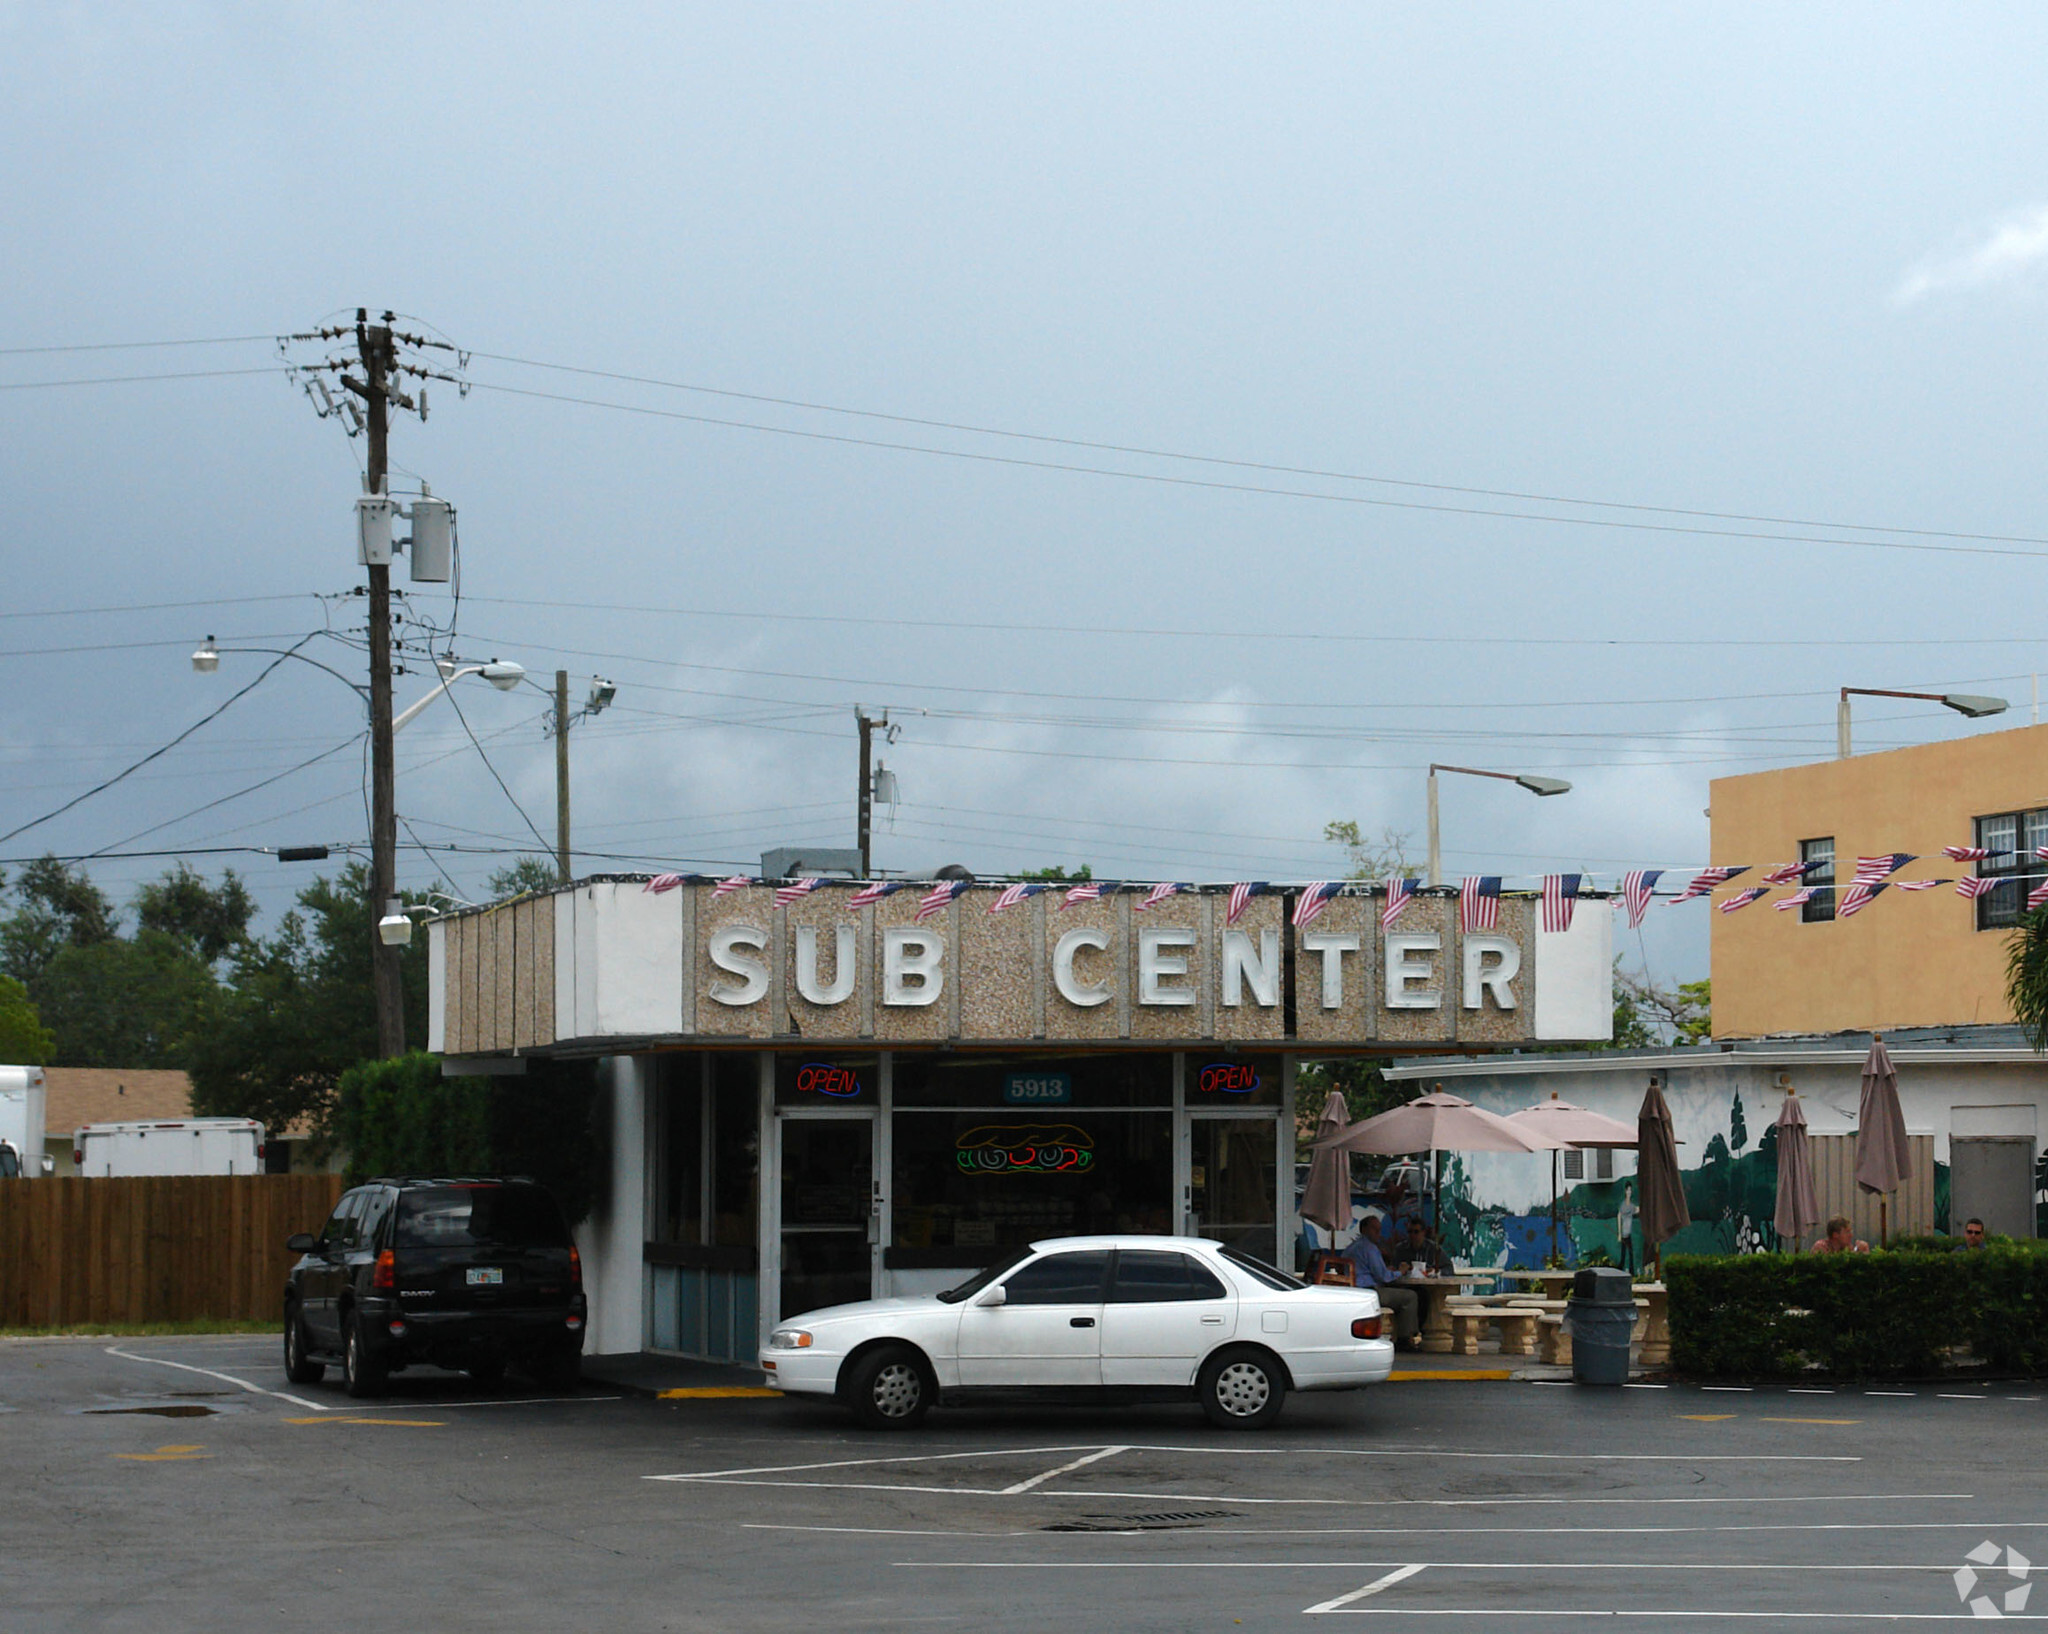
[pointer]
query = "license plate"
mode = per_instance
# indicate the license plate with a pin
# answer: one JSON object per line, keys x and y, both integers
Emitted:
{"x": 485, "y": 1276}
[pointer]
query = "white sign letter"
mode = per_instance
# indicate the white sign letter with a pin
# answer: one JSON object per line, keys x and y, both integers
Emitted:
{"x": 1241, "y": 965}
{"x": 807, "y": 983}
{"x": 913, "y": 965}
{"x": 1154, "y": 963}
{"x": 1332, "y": 945}
{"x": 725, "y": 944}
{"x": 1482, "y": 977}
{"x": 1411, "y": 966}
{"x": 1084, "y": 994}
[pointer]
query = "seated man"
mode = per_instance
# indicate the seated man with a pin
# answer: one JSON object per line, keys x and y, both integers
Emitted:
{"x": 1973, "y": 1233}
{"x": 1371, "y": 1265}
{"x": 1841, "y": 1239}
{"x": 1421, "y": 1257}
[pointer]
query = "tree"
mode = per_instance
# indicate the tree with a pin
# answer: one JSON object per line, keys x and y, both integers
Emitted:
{"x": 55, "y": 908}
{"x": 24, "y": 1040}
{"x": 1685, "y": 1013}
{"x": 1738, "y": 1130}
{"x": 2026, "y": 977}
{"x": 127, "y": 1003}
{"x": 1362, "y": 1083}
{"x": 522, "y": 878}
{"x": 1059, "y": 876}
{"x": 208, "y": 920}
{"x": 1384, "y": 858}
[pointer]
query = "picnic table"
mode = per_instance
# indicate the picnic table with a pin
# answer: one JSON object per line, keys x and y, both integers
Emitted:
{"x": 1431, "y": 1294}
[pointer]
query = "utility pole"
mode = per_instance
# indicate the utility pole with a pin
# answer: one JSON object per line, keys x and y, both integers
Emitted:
{"x": 562, "y": 775}
{"x": 865, "y": 806}
{"x": 374, "y": 344}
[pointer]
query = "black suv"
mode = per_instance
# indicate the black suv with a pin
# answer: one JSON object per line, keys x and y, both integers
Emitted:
{"x": 472, "y": 1274}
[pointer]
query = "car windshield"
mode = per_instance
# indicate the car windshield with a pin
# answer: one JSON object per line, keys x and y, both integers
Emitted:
{"x": 480, "y": 1217}
{"x": 981, "y": 1279}
{"x": 1271, "y": 1275}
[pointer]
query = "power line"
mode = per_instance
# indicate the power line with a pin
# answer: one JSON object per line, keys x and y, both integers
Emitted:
{"x": 1255, "y": 465}
{"x": 275, "y": 777}
{"x": 132, "y": 379}
{"x": 486, "y": 759}
{"x": 162, "y": 607}
{"x": 136, "y": 345}
{"x": 1261, "y": 490}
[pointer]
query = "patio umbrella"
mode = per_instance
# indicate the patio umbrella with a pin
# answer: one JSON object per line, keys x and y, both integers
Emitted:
{"x": 1883, "y": 1158}
{"x": 1327, "y": 1199}
{"x": 1439, "y": 1123}
{"x": 1575, "y": 1127}
{"x": 1798, "y": 1209}
{"x": 1664, "y": 1213}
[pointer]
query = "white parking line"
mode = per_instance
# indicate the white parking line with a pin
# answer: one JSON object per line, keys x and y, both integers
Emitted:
{"x": 868, "y": 1463}
{"x": 1376, "y": 1454}
{"x": 352, "y": 1407}
{"x": 1659, "y": 1612}
{"x": 1370, "y": 1589}
{"x": 1294, "y": 1534}
{"x": 1078, "y": 1463}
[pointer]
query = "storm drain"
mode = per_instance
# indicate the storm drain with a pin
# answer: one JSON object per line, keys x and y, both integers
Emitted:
{"x": 1165, "y": 1520}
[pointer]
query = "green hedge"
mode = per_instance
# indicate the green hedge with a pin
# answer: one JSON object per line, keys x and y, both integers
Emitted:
{"x": 402, "y": 1117}
{"x": 1880, "y": 1315}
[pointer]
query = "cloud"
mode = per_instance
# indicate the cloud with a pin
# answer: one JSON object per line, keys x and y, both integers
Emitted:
{"x": 2015, "y": 248}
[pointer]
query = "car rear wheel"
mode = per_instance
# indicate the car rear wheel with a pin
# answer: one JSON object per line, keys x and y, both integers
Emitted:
{"x": 297, "y": 1366}
{"x": 888, "y": 1389}
{"x": 1241, "y": 1389}
{"x": 362, "y": 1374}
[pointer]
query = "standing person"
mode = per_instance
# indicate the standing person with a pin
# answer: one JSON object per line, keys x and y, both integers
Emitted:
{"x": 1841, "y": 1238}
{"x": 1372, "y": 1272}
{"x": 1625, "y": 1228}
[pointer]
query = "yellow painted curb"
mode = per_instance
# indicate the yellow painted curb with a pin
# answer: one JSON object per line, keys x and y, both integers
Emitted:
{"x": 164, "y": 1455}
{"x": 707, "y": 1392}
{"x": 1452, "y": 1375}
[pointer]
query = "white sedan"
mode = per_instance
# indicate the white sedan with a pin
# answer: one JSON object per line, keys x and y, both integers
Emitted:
{"x": 1129, "y": 1317}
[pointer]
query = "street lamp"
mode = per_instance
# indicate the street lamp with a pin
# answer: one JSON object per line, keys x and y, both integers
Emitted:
{"x": 1963, "y": 703}
{"x": 504, "y": 675}
{"x": 1540, "y": 786}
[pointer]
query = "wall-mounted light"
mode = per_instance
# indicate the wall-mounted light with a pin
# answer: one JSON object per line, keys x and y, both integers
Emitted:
{"x": 395, "y": 928}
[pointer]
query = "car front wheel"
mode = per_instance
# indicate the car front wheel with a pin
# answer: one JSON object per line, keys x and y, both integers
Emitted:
{"x": 362, "y": 1373}
{"x": 888, "y": 1389}
{"x": 297, "y": 1366}
{"x": 1241, "y": 1389}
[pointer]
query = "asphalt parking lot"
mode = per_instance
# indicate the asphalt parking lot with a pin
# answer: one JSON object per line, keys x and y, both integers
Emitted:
{"x": 182, "y": 1483}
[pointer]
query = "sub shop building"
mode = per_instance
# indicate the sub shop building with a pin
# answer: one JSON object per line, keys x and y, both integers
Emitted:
{"x": 807, "y": 1101}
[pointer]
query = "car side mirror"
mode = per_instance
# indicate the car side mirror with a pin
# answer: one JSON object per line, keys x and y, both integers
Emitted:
{"x": 991, "y": 1297}
{"x": 301, "y": 1242}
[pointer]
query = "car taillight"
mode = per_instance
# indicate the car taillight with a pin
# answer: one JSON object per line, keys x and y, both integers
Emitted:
{"x": 575, "y": 1268}
{"x": 1366, "y": 1327}
{"x": 386, "y": 1274}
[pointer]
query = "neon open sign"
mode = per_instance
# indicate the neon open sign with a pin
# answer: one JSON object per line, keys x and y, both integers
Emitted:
{"x": 817, "y": 1078}
{"x": 1030, "y": 1148}
{"x": 1230, "y": 1077}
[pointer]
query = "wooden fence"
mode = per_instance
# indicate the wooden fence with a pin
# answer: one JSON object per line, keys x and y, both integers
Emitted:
{"x": 163, "y": 1249}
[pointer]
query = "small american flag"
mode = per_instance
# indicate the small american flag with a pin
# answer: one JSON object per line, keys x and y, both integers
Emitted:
{"x": 1975, "y": 886}
{"x": 873, "y": 891}
{"x": 1869, "y": 870}
{"x": 1918, "y": 884}
{"x": 1858, "y": 897}
{"x": 1012, "y": 895}
{"x": 726, "y": 887}
{"x": 1706, "y": 880}
{"x": 1241, "y": 894}
{"x": 1799, "y": 899}
{"x": 1400, "y": 892}
{"x": 1479, "y": 902}
{"x": 2037, "y": 896}
{"x": 1158, "y": 893}
{"x": 2041, "y": 851}
{"x": 1742, "y": 899}
{"x": 1309, "y": 905}
{"x": 786, "y": 894}
{"x": 1635, "y": 893}
{"x": 1560, "y": 891}
{"x": 1789, "y": 872}
{"x": 935, "y": 900}
{"x": 661, "y": 883}
{"x": 1965, "y": 853}
{"x": 1086, "y": 892}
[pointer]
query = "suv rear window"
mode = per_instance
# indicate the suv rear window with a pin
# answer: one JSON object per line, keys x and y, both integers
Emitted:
{"x": 480, "y": 1217}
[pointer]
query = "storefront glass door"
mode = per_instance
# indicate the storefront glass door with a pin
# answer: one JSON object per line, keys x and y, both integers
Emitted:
{"x": 1232, "y": 1175}
{"x": 830, "y": 1212}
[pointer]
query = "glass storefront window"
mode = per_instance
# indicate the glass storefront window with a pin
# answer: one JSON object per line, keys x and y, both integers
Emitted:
{"x": 1011, "y": 1083}
{"x": 679, "y": 1214}
{"x": 1228, "y": 1083}
{"x": 828, "y": 1079}
{"x": 706, "y": 1180}
{"x": 735, "y": 1150}
{"x": 970, "y": 1184}
{"x": 1231, "y": 1174}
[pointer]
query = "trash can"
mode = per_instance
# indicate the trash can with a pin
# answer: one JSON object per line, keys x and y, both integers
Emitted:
{"x": 1601, "y": 1314}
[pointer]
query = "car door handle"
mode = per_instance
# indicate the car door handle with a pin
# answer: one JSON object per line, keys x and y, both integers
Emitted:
{"x": 1080, "y": 1321}
{"x": 1212, "y": 1321}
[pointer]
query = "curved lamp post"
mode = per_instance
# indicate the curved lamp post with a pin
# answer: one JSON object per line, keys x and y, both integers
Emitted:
{"x": 1540, "y": 786}
{"x": 1963, "y": 703}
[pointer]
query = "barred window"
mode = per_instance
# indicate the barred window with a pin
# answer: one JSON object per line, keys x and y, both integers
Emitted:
{"x": 1820, "y": 907}
{"x": 2016, "y": 834}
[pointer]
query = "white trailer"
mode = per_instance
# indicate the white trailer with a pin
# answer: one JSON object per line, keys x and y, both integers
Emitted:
{"x": 169, "y": 1146}
{"x": 21, "y": 1122}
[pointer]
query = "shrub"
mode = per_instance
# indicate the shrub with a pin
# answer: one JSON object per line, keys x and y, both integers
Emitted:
{"x": 1883, "y": 1315}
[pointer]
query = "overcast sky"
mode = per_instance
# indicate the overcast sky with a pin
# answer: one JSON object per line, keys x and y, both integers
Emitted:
{"x": 1768, "y": 262}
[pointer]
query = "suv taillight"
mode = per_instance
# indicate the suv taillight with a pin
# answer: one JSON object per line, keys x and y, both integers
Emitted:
{"x": 386, "y": 1273}
{"x": 575, "y": 1268}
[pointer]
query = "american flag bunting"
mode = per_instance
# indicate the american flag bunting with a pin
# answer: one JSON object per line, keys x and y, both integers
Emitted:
{"x": 1012, "y": 895}
{"x": 1869, "y": 870}
{"x": 1560, "y": 891}
{"x": 1087, "y": 891}
{"x": 1400, "y": 892}
{"x": 873, "y": 891}
{"x": 1799, "y": 899}
{"x": 1858, "y": 897}
{"x": 1635, "y": 893}
{"x": 1308, "y": 907}
{"x": 1706, "y": 880}
{"x": 786, "y": 894}
{"x": 1479, "y": 902}
{"x": 1975, "y": 886}
{"x": 1240, "y": 895}
{"x": 1966, "y": 853}
{"x": 935, "y": 900}
{"x": 662, "y": 882}
{"x": 1791, "y": 872}
{"x": 1158, "y": 893}
{"x": 1918, "y": 884}
{"x": 726, "y": 887}
{"x": 1742, "y": 899}
{"x": 2037, "y": 896}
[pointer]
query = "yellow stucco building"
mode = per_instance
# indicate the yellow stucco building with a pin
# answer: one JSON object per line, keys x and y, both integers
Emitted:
{"x": 1908, "y": 958}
